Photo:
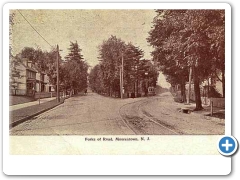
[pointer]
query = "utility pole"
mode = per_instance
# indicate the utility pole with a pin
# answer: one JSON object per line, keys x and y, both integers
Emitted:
{"x": 120, "y": 75}
{"x": 189, "y": 85}
{"x": 58, "y": 99}
{"x": 137, "y": 78}
{"x": 122, "y": 87}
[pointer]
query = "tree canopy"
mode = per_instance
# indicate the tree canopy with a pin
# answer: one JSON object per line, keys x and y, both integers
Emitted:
{"x": 105, "y": 77}
{"x": 74, "y": 71}
{"x": 184, "y": 39}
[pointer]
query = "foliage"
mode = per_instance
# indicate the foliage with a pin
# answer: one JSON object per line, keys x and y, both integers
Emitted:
{"x": 96, "y": 80}
{"x": 105, "y": 77}
{"x": 74, "y": 71}
{"x": 14, "y": 73}
{"x": 188, "y": 38}
{"x": 132, "y": 56}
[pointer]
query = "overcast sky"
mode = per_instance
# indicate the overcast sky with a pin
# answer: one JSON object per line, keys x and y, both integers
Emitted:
{"x": 88, "y": 27}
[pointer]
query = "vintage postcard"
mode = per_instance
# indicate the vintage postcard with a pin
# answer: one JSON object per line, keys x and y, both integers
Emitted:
{"x": 119, "y": 79}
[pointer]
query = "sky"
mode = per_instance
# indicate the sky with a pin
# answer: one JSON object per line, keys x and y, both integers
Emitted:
{"x": 88, "y": 27}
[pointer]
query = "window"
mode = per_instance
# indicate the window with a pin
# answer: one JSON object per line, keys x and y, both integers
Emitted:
{"x": 31, "y": 75}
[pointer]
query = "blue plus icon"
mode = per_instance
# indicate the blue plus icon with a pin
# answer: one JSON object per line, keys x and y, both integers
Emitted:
{"x": 227, "y": 145}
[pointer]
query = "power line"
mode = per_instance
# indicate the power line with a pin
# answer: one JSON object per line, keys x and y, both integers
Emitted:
{"x": 35, "y": 29}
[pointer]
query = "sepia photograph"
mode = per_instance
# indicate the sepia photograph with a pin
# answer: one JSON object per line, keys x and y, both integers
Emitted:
{"x": 117, "y": 88}
{"x": 116, "y": 72}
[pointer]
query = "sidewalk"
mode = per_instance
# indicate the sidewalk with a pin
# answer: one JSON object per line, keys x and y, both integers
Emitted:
{"x": 22, "y": 112}
{"x": 206, "y": 111}
{"x": 20, "y": 106}
{"x": 167, "y": 112}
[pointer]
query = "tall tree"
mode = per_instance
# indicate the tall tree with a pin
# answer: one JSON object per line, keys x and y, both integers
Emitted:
{"x": 14, "y": 72}
{"x": 184, "y": 37}
{"x": 132, "y": 56}
{"x": 74, "y": 53}
{"x": 218, "y": 49}
{"x": 76, "y": 68}
{"x": 111, "y": 52}
{"x": 95, "y": 79}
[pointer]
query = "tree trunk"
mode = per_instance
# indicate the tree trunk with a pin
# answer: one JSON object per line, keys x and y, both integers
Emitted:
{"x": 189, "y": 85}
{"x": 134, "y": 88}
{"x": 183, "y": 92}
{"x": 223, "y": 83}
{"x": 197, "y": 90}
{"x": 137, "y": 88}
{"x": 208, "y": 89}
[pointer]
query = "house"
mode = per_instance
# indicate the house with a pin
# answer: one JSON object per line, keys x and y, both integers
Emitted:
{"x": 24, "y": 84}
{"x": 208, "y": 88}
{"x": 30, "y": 80}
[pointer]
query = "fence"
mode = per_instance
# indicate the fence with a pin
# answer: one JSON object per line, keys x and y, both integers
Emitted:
{"x": 218, "y": 103}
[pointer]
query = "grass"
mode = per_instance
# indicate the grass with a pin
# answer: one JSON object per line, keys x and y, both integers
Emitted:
{"x": 13, "y": 100}
{"x": 19, "y": 114}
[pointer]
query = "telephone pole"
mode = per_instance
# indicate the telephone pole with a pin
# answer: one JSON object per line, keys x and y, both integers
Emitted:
{"x": 120, "y": 75}
{"x": 122, "y": 78}
{"x": 58, "y": 99}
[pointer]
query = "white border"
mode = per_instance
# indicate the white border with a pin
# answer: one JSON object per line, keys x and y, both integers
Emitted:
{"x": 101, "y": 165}
{"x": 117, "y": 6}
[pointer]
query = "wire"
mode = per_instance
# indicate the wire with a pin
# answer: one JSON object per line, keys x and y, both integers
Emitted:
{"x": 35, "y": 29}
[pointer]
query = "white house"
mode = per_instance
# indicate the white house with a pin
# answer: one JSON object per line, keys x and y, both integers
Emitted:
{"x": 30, "y": 81}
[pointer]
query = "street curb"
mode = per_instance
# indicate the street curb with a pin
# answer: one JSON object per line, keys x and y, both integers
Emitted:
{"x": 31, "y": 116}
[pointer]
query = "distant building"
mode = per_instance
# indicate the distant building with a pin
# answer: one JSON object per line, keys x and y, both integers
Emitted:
{"x": 210, "y": 88}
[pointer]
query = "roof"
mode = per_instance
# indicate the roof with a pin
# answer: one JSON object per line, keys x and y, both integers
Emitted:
{"x": 29, "y": 68}
{"x": 33, "y": 69}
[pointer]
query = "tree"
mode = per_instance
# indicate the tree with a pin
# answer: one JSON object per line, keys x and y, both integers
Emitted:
{"x": 75, "y": 69}
{"x": 105, "y": 77}
{"x": 38, "y": 57}
{"x": 14, "y": 73}
{"x": 171, "y": 64}
{"x": 218, "y": 50}
{"x": 95, "y": 79}
{"x": 11, "y": 23}
{"x": 111, "y": 52}
{"x": 132, "y": 56}
{"x": 184, "y": 38}
{"x": 74, "y": 53}
{"x": 147, "y": 74}
{"x": 49, "y": 66}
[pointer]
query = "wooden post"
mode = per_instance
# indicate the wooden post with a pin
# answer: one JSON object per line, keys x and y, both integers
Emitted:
{"x": 39, "y": 99}
{"x": 211, "y": 102}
